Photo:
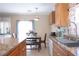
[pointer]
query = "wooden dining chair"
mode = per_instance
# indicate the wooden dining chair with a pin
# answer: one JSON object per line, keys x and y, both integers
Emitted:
{"x": 44, "y": 41}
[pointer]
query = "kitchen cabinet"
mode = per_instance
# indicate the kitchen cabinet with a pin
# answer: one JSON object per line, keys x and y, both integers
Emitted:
{"x": 58, "y": 50}
{"x": 52, "y": 18}
{"x": 15, "y": 52}
{"x": 61, "y": 14}
{"x": 22, "y": 48}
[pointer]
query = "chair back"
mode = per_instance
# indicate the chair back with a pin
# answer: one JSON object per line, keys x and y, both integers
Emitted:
{"x": 13, "y": 35}
{"x": 45, "y": 37}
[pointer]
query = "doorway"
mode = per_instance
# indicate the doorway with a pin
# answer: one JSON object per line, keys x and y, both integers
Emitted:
{"x": 24, "y": 27}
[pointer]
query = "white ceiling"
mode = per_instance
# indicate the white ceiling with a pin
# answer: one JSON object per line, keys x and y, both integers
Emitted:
{"x": 26, "y": 8}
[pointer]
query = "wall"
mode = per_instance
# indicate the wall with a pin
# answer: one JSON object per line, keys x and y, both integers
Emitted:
{"x": 42, "y": 26}
{"x": 53, "y": 28}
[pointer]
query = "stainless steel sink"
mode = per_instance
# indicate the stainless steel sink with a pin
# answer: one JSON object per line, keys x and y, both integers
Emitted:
{"x": 70, "y": 43}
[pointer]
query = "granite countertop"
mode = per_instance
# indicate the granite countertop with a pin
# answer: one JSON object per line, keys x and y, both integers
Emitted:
{"x": 7, "y": 44}
{"x": 73, "y": 50}
{"x": 71, "y": 36}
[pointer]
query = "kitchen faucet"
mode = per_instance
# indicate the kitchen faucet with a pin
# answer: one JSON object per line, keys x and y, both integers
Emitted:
{"x": 75, "y": 28}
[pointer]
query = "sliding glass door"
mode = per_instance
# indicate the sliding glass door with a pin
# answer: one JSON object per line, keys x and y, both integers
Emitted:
{"x": 24, "y": 27}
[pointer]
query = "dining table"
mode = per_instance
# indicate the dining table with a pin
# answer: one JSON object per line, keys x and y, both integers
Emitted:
{"x": 34, "y": 40}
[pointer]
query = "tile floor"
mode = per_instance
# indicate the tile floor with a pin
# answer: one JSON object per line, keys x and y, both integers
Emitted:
{"x": 35, "y": 52}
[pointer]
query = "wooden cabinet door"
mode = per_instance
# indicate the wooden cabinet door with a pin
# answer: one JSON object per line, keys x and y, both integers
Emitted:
{"x": 61, "y": 14}
{"x": 22, "y": 48}
{"x": 57, "y": 14}
{"x": 23, "y": 51}
{"x": 52, "y": 18}
{"x": 58, "y": 50}
{"x": 64, "y": 15}
{"x": 69, "y": 53}
{"x": 15, "y": 52}
{"x": 50, "y": 21}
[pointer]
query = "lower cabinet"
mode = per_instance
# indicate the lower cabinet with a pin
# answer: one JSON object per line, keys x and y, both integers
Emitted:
{"x": 14, "y": 53}
{"x": 60, "y": 51}
{"x": 22, "y": 48}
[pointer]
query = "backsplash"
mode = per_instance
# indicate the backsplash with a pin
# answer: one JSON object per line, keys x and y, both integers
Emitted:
{"x": 59, "y": 31}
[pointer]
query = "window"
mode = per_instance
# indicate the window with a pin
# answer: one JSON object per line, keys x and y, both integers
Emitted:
{"x": 74, "y": 17}
{"x": 23, "y": 28}
{"x": 4, "y": 26}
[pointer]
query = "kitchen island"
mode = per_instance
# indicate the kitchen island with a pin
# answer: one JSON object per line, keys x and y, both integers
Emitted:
{"x": 60, "y": 49}
{"x": 11, "y": 47}
{"x": 18, "y": 50}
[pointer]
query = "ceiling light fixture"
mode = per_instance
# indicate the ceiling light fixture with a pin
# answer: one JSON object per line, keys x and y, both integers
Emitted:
{"x": 36, "y": 17}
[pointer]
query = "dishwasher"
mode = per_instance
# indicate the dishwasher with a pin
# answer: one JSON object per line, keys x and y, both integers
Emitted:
{"x": 50, "y": 47}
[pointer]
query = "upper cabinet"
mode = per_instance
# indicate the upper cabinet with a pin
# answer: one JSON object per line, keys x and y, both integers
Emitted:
{"x": 61, "y": 14}
{"x": 52, "y": 18}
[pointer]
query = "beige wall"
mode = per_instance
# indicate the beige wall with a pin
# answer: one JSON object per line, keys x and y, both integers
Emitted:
{"x": 42, "y": 26}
